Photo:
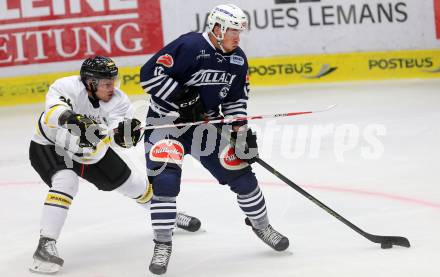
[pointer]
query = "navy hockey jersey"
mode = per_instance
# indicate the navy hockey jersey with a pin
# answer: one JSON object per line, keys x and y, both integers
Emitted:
{"x": 192, "y": 61}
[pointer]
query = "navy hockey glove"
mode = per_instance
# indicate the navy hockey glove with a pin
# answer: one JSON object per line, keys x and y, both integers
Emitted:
{"x": 190, "y": 106}
{"x": 85, "y": 128}
{"x": 245, "y": 145}
{"x": 128, "y": 133}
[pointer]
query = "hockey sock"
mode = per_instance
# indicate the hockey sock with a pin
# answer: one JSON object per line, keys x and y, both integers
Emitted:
{"x": 163, "y": 217}
{"x": 57, "y": 203}
{"x": 254, "y": 206}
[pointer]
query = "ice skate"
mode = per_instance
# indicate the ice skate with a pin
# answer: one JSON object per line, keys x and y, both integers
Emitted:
{"x": 46, "y": 259}
{"x": 161, "y": 257}
{"x": 271, "y": 237}
{"x": 187, "y": 222}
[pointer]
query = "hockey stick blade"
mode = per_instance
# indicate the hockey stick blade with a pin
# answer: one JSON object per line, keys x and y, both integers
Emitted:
{"x": 388, "y": 241}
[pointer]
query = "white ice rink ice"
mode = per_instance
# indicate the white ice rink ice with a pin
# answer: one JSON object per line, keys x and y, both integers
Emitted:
{"x": 374, "y": 159}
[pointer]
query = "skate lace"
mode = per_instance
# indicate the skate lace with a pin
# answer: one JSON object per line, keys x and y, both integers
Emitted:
{"x": 51, "y": 248}
{"x": 161, "y": 254}
{"x": 269, "y": 235}
{"x": 183, "y": 220}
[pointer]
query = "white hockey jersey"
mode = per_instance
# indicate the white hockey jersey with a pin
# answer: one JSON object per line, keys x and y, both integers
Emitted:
{"x": 69, "y": 93}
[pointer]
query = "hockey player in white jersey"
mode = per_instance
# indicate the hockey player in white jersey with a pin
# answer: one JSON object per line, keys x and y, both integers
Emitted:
{"x": 69, "y": 143}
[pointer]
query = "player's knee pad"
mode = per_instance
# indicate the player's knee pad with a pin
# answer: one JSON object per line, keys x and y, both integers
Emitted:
{"x": 64, "y": 189}
{"x": 244, "y": 184}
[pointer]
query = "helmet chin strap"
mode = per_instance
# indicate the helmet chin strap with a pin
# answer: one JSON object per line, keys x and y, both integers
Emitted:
{"x": 93, "y": 88}
{"x": 219, "y": 40}
{"x": 220, "y": 44}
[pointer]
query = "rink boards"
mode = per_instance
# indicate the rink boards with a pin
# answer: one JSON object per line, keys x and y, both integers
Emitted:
{"x": 268, "y": 71}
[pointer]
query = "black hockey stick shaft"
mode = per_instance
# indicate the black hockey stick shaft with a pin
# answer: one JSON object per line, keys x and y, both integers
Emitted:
{"x": 383, "y": 240}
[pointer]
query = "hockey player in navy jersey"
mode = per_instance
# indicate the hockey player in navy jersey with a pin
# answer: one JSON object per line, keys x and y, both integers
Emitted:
{"x": 201, "y": 76}
{"x": 68, "y": 144}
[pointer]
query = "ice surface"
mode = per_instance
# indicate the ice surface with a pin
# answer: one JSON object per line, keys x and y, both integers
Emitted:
{"x": 374, "y": 159}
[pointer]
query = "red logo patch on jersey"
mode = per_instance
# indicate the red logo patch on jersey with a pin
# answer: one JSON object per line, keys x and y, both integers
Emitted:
{"x": 229, "y": 160}
{"x": 167, "y": 151}
{"x": 165, "y": 60}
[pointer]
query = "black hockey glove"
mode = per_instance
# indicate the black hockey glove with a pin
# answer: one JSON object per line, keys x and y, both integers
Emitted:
{"x": 190, "y": 106}
{"x": 128, "y": 133}
{"x": 245, "y": 145}
{"x": 85, "y": 128}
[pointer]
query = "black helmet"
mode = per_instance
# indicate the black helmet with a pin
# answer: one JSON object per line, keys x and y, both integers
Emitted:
{"x": 98, "y": 67}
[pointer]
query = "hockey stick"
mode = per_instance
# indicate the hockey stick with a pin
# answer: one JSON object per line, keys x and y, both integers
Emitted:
{"x": 234, "y": 119}
{"x": 385, "y": 241}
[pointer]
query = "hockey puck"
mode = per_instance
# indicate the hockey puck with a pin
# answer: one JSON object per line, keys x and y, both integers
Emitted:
{"x": 386, "y": 245}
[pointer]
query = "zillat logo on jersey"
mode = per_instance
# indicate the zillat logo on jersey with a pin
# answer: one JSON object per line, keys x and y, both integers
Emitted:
{"x": 211, "y": 77}
{"x": 165, "y": 60}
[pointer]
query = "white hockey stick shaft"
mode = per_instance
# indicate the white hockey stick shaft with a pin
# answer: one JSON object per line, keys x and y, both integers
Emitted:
{"x": 235, "y": 119}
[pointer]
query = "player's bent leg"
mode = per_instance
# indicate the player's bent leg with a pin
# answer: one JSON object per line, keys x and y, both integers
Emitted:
{"x": 254, "y": 207}
{"x": 135, "y": 187}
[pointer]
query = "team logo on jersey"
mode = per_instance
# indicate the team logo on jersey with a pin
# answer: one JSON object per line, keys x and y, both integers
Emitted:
{"x": 167, "y": 151}
{"x": 220, "y": 57}
{"x": 224, "y": 92}
{"x": 237, "y": 60}
{"x": 229, "y": 160}
{"x": 165, "y": 60}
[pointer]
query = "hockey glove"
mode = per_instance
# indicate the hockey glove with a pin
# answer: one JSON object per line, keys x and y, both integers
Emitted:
{"x": 128, "y": 133}
{"x": 190, "y": 106}
{"x": 245, "y": 145}
{"x": 86, "y": 129}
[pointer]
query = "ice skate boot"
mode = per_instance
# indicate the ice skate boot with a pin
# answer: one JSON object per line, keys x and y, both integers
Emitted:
{"x": 187, "y": 222}
{"x": 46, "y": 258}
{"x": 161, "y": 257}
{"x": 271, "y": 237}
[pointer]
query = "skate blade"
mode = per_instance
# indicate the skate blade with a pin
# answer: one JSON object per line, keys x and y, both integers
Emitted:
{"x": 44, "y": 267}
